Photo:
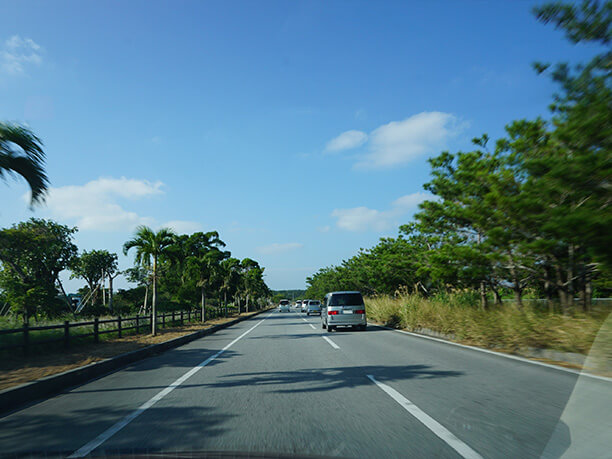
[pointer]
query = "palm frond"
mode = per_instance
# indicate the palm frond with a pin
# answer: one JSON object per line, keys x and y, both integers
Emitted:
{"x": 21, "y": 153}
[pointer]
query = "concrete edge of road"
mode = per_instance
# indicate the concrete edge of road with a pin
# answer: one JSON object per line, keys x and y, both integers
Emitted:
{"x": 441, "y": 339}
{"x": 15, "y": 397}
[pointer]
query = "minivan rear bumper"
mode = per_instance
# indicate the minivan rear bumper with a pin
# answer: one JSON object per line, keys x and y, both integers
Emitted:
{"x": 346, "y": 320}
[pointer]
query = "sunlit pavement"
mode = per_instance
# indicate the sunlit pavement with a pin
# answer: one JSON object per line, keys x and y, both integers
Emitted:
{"x": 278, "y": 383}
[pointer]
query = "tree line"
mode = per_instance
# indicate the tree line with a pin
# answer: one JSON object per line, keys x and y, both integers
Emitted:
{"x": 180, "y": 269}
{"x": 530, "y": 212}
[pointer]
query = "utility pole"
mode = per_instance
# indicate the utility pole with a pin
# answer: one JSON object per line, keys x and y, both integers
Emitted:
{"x": 103, "y": 293}
{"x": 110, "y": 289}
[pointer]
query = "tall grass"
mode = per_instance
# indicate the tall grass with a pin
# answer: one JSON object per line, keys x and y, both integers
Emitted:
{"x": 505, "y": 327}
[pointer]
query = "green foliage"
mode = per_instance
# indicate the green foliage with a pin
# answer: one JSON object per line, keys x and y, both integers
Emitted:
{"x": 91, "y": 266}
{"x": 21, "y": 154}
{"x": 33, "y": 254}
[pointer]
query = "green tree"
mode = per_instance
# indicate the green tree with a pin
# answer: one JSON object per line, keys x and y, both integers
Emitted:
{"x": 203, "y": 262}
{"x": 150, "y": 247}
{"x": 93, "y": 266}
{"x": 141, "y": 276}
{"x": 33, "y": 254}
{"x": 230, "y": 278}
{"x": 21, "y": 154}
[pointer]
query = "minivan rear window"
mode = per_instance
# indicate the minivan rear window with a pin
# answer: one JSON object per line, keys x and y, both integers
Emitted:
{"x": 346, "y": 299}
{"x": 315, "y": 303}
{"x": 284, "y": 302}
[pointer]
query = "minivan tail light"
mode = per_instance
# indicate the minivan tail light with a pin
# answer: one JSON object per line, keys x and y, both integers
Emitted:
{"x": 332, "y": 313}
{"x": 360, "y": 311}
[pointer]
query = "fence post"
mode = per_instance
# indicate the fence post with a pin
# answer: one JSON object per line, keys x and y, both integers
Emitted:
{"x": 164, "y": 320}
{"x": 181, "y": 318}
{"x": 66, "y": 333}
{"x": 172, "y": 317}
{"x": 188, "y": 315}
{"x": 96, "y": 330}
{"x": 119, "y": 327}
{"x": 137, "y": 324}
{"x": 26, "y": 338}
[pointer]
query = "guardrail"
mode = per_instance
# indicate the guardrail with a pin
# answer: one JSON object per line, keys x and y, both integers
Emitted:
{"x": 32, "y": 336}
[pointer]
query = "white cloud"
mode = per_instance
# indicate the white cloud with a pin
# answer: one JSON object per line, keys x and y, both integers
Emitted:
{"x": 183, "y": 226}
{"x": 366, "y": 219}
{"x": 399, "y": 142}
{"x": 347, "y": 140}
{"x": 94, "y": 206}
{"x": 324, "y": 229}
{"x": 279, "y": 248}
{"x": 17, "y": 53}
{"x": 360, "y": 219}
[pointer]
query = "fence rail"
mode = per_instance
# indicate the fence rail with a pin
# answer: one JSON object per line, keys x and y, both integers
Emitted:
{"x": 27, "y": 337}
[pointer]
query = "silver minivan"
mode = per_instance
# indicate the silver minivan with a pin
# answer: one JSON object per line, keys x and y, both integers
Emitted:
{"x": 313, "y": 307}
{"x": 343, "y": 309}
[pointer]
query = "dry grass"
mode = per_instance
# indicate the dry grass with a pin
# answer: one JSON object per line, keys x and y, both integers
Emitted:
{"x": 17, "y": 369}
{"x": 506, "y": 327}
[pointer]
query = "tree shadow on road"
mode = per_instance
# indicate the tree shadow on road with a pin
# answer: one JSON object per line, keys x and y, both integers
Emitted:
{"x": 60, "y": 434}
{"x": 310, "y": 380}
{"x": 324, "y": 379}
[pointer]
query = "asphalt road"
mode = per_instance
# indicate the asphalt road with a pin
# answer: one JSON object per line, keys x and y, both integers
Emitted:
{"x": 278, "y": 383}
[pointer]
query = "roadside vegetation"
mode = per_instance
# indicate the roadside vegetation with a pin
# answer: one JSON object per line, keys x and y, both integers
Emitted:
{"x": 526, "y": 216}
{"x": 172, "y": 272}
{"x": 501, "y": 327}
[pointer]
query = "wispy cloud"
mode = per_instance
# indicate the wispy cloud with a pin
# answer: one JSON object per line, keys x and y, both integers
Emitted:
{"x": 346, "y": 141}
{"x": 365, "y": 219}
{"x": 399, "y": 142}
{"x": 279, "y": 248}
{"x": 96, "y": 205}
{"x": 17, "y": 53}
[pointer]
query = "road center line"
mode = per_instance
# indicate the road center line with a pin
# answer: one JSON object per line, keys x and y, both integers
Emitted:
{"x": 331, "y": 343}
{"x": 89, "y": 447}
{"x": 312, "y": 326}
{"x": 429, "y": 422}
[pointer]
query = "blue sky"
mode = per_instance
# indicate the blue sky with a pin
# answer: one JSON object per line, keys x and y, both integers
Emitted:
{"x": 299, "y": 130}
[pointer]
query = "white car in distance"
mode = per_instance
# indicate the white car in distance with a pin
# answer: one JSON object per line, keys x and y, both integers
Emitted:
{"x": 284, "y": 305}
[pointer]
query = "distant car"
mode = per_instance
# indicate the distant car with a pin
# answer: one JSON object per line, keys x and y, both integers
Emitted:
{"x": 283, "y": 306}
{"x": 304, "y": 305}
{"x": 298, "y": 304}
{"x": 343, "y": 309}
{"x": 314, "y": 307}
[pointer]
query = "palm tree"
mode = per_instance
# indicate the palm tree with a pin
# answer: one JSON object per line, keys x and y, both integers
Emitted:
{"x": 150, "y": 247}
{"x": 202, "y": 261}
{"x": 230, "y": 275}
{"x": 21, "y": 153}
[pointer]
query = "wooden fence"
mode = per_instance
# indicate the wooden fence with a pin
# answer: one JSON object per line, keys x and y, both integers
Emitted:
{"x": 60, "y": 334}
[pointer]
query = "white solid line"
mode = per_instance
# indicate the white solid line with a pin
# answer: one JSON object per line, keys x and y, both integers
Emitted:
{"x": 331, "y": 343}
{"x": 312, "y": 326}
{"x": 501, "y": 354}
{"x": 429, "y": 422}
{"x": 89, "y": 447}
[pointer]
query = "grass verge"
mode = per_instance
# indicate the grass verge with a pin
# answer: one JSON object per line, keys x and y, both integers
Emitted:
{"x": 505, "y": 328}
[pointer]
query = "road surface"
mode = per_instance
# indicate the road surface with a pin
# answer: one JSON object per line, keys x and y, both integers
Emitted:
{"x": 279, "y": 384}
